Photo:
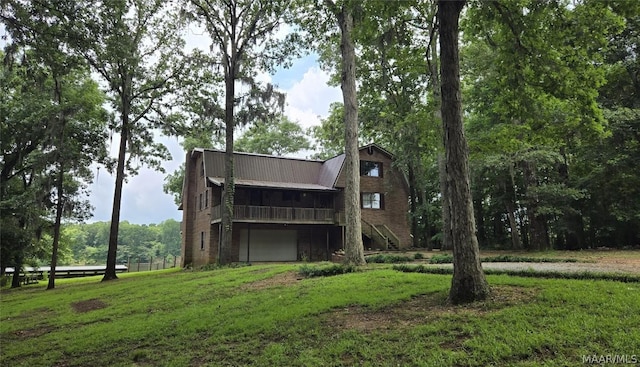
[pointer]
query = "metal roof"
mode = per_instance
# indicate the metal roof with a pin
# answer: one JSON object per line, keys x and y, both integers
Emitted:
{"x": 271, "y": 184}
{"x": 258, "y": 170}
{"x": 270, "y": 171}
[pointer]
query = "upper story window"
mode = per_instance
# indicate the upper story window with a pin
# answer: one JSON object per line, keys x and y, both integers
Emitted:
{"x": 372, "y": 169}
{"x": 372, "y": 200}
{"x": 202, "y": 168}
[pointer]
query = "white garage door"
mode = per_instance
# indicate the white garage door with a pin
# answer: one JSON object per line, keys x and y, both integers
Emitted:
{"x": 269, "y": 245}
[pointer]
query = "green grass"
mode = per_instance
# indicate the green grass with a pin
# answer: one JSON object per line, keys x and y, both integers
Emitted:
{"x": 265, "y": 316}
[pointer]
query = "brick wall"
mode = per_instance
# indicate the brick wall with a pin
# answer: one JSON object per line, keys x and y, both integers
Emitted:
{"x": 196, "y": 215}
{"x": 394, "y": 213}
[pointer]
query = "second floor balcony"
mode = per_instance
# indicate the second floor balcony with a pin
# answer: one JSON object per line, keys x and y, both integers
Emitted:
{"x": 276, "y": 214}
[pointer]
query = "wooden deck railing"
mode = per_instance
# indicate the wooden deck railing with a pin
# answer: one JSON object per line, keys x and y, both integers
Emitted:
{"x": 271, "y": 214}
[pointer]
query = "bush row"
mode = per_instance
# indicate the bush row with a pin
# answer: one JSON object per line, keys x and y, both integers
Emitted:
{"x": 626, "y": 278}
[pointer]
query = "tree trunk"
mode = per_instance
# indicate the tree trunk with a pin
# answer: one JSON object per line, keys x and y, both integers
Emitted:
{"x": 426, "y": 224}
{"x": 354, "y": 249}
{"x": 510, "y": 207}
{"x": 538, "y": 239}
{"x": 59, "y": 203}
{"x": 413, "y": 208}
{"x": 17, "y": 266}
{"x": 56, "y": 227}
{"x": 469, "y": 283}
{"x": 446, "y": 214}
{"x": 516, "y": 244}
{"x": 110, "y": 271}
{"x": 228, "y": 194}
{"x": 479, "y": 215}
{"x": 573, "y": 232}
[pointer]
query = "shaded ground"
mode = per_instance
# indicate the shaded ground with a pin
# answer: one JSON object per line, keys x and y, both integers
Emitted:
{"x": 419, "y": 310}
{"x": 88, "y": 305}
{"x": 282, "y": 279}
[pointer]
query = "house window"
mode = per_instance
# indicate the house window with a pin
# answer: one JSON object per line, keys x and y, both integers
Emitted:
{"x": 200, "y": 201}
{"x": 206, "y": 198}
{"x": 371, "y": 169}
{"x": 372, "y": 200}
{"x": 201, "y": 240}
{"x": 202, "y": 168}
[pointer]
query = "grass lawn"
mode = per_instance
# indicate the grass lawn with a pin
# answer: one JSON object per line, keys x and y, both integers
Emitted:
{"x": 264, "y": 315}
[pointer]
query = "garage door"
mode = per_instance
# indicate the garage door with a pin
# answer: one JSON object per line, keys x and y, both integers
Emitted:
{"x": 269, "y": 245}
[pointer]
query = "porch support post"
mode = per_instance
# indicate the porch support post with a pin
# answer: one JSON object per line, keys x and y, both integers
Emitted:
{"x": 248, "y": 240}
{"x": 327, "y": 252}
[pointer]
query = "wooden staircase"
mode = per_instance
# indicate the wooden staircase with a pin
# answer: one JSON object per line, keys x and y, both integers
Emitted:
{"x": 381, "y": 235}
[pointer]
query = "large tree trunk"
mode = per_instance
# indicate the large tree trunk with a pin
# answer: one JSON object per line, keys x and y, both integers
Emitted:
{"x": 469, "y": 283}
{"x": 110, "y": 271}
{"x": 17, "y": 266}
{"x": 226, "y": 257}
{"x": 354, "y": 249}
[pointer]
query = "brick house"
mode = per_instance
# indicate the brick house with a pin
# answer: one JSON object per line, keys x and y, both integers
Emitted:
{"x": 289, "y": 209}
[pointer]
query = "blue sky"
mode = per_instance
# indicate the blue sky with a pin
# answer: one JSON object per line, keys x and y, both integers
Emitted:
{"x": 144, "y": 202}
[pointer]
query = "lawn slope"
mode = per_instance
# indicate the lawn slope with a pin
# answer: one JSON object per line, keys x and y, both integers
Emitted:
{"x": 267, "y": 316}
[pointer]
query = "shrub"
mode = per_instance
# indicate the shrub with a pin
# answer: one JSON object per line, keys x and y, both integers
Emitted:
{"x": 418, "y": 256}
{"x": 325, "y": 270}
{"x": 209, "y": 267}
{"x": 524, "y": 259}
{"x": 387, "y": 259}
{"x": 625, "y": 278}
{"x": 441, "y": 259}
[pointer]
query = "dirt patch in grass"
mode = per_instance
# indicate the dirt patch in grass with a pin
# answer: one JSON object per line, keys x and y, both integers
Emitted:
{"x": 33, "y": 332}
{"x": 282, "y": 279}
{"x": 422, "y": 308}
{"x": 88, "y": 305}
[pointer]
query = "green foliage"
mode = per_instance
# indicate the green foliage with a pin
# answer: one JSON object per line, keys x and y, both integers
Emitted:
{"x": 536, "y": 78}
{"x": 87, "y": 243}
{"x": 387, "y": 259}
{"x": 547, "y": 274}
{"x": 279, "y": 138}
{"x": 325, "y": 270}
{"x": 53, "y": 127}
{"x": 418, "y": 256}
{"x": 448, "y": 259}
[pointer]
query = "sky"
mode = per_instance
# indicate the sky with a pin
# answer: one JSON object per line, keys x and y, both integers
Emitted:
{"x": 308, "y": 98}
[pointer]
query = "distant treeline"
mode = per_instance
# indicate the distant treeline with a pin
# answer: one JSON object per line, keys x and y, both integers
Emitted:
{"x": 87, "y": 243}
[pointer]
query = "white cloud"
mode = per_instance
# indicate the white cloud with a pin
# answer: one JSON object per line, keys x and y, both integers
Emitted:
{"x": 143, "y": 200}
{"x": 309, "y": 99}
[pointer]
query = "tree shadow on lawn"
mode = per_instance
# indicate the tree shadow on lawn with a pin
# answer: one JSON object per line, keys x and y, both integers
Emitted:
{"x": 423, "y": 308}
